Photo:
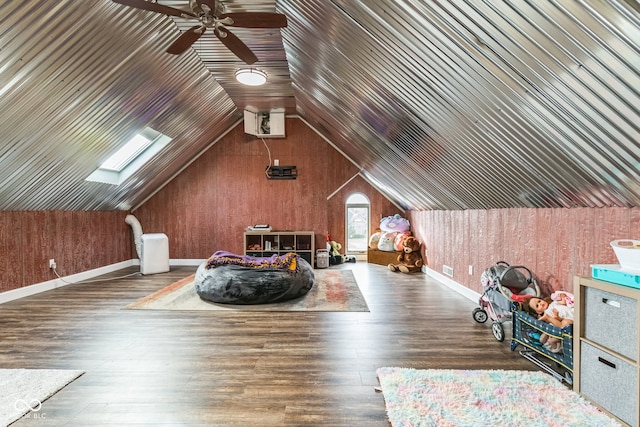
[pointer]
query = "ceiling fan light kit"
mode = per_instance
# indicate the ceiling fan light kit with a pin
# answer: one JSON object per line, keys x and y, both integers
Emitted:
{"x": 211, "y": 14}
{"x": 251, "y": 77}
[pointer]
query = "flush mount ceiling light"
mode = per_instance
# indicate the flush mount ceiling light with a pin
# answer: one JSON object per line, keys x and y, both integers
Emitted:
{"x": 251, "y": 77}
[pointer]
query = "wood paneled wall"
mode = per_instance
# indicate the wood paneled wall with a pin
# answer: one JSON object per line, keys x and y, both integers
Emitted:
{"x": 204, "y": 209}
{"x": 78, "y": 241}
{"x": 556, "y": 244}
{"x": 209, "y": 205}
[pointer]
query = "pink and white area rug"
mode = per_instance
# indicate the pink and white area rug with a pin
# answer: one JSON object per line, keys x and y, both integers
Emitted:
{"x": 477, "y": 398}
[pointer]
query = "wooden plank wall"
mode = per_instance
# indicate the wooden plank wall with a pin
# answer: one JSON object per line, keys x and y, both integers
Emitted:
{"x": 556, "y": 244}
{"x": 209, "y": 205}
{"x": 204, "y": 209}
{"x": 77, "y": 240}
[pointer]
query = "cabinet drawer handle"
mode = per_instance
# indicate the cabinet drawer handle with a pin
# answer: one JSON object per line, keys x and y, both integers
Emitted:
{"x": 612, "y": 303}
{"x": 606, "y": 362}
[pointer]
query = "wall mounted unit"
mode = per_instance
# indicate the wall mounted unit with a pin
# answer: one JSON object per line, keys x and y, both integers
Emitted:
{"x": 282, "y": 172}
{"x": 266, "y": 124}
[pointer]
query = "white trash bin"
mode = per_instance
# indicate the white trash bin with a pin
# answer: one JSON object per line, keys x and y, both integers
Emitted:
{"x": 322, "y": 258}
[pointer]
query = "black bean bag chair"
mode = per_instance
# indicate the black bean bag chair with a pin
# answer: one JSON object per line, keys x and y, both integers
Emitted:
{"x": 228, "y": 278}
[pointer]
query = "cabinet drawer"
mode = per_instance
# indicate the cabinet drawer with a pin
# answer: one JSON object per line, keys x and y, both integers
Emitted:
{"x": 611, "y": 321}
{"x": 609, "y": 381}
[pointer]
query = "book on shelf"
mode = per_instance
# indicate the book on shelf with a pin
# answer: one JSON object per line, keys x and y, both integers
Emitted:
{"x": 259, "y": 227}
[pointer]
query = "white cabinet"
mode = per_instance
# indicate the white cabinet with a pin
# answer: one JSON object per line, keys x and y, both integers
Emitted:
{"x": 606, "y": 347}
{"x": 154, "y": 253}
{"x": 265, "y": 244}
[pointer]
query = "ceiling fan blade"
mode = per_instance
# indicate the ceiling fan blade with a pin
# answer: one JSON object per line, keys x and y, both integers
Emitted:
{"x": 235, "y": 45}
{"x": 186, "y": 39}
{"x": 213, "y": 4}
{"x": 255, "y": 19}
{"x": 155, "y": 7}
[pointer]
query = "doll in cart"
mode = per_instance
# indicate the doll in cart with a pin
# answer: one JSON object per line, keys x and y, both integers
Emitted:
{"x": 503, "y": 285}
{"x": 544, "y": 327}
{"x": 556, "y": 310}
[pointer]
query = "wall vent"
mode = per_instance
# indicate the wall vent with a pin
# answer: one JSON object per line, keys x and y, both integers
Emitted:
{"x": 448, "y": 271}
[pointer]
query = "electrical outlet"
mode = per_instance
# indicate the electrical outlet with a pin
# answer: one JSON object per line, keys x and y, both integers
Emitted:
{"x": 470, "y": 270}
{"x": 52, "y": 263}
{"x": 276, "y": 162}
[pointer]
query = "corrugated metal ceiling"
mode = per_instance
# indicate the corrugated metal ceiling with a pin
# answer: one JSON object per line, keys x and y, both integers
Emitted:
{"x": 443, "y": 104}
{"x": 478, "y": 104}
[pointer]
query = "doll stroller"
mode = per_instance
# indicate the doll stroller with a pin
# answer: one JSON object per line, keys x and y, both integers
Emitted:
{"x": 503, "y": 285}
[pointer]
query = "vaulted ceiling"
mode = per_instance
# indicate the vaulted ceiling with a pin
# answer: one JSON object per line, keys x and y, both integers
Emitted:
{"x": 475, "y": 104}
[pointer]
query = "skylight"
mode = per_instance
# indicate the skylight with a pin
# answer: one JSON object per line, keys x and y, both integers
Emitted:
{"x": 130, "y": 157}
{"x": 126, "y": 154}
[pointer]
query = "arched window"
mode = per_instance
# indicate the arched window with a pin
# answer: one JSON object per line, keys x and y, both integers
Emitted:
{"x": 357, "y": 224}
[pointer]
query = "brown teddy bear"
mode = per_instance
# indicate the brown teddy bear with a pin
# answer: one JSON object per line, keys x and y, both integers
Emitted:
{"x": 410, "y": 260}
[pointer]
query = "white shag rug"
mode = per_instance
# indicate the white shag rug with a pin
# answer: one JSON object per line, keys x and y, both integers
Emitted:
{"x": 23, "y": 390}
{"x": 484, "y": 398}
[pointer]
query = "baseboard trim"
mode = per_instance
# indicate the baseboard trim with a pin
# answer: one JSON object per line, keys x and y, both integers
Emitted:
{"x": 186, "y": 262}
{"x": 36, "y": 288}
{"x": 90, "y": 274}
{"x": 453, "y": 285}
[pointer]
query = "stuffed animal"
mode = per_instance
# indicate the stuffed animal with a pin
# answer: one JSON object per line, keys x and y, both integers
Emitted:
{"x": 374, "y": 239}
{"x": 335, "y": 257}
{"x": 395, "y": 223}
{"x": 386, "y": 241}
{"x": 410, "y": 260}
{"x": 398, "y": 242}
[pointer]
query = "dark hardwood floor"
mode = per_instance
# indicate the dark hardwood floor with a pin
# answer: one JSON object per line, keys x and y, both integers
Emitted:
{"x": 210, "y": 368}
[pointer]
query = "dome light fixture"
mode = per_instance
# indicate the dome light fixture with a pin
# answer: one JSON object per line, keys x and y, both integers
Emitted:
{"x": 251, "y": 77}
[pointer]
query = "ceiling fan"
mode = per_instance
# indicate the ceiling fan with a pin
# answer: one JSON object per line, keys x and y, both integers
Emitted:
{"x": 211, "y": 14}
